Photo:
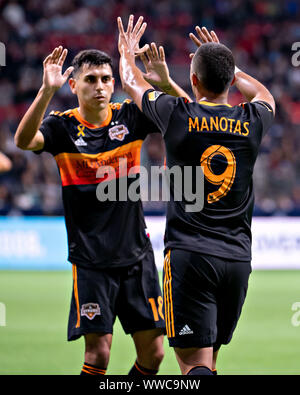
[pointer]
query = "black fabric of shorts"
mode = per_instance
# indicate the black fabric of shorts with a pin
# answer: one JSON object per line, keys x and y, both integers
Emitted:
{"x": 132, "y": 293}
{"x": 203, "y": 298}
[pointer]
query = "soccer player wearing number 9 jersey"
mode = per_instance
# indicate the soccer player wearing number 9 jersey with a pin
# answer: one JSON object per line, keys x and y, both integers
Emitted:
{"x": 208, "y": 252}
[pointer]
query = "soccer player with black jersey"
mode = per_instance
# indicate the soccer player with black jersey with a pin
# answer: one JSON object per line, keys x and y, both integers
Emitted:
{"x": 114, "y": 273}
{"x": 207, "y": 252}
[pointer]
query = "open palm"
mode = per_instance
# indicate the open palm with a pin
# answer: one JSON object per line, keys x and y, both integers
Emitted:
{"x": 53, "y": 77}
{"x": 131, "y": 38}
{"x": 156, "y": 69}
{"x": 203, "y": 37}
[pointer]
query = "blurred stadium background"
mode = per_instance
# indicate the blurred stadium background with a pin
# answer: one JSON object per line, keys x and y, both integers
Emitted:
{"x": 35, "y": 279}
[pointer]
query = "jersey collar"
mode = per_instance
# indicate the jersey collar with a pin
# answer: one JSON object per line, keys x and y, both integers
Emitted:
{"x": 90, "y": 125}
{"x": 207, "y": 103}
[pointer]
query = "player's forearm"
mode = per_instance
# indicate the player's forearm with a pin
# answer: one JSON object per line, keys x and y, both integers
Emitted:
{"x": 33, "y": 117}
{"x": 171, "y": 88}
{"x": 252, "y": 89}
{"x": 132, "y": 78}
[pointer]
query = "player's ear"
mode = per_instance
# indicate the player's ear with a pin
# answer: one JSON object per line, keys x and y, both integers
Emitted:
{"x": 195, "y": 80}
{"x": 72, "y": 85}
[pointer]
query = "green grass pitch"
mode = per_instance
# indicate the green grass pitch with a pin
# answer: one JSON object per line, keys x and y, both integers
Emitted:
{"x": 33, "y": 340}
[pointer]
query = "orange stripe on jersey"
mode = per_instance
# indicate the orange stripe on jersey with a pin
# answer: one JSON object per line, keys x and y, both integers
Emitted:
{"x": 68, "y": 112}
{"x": 90, "y": 125}
{"x": 74, "y": 271}
{"x": 83, "y": 169}
{"x": 117, "y": 106}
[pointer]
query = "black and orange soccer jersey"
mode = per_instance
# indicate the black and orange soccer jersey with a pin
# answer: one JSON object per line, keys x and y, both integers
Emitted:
{"x": 100, "y": 233}
{"x": 224, "y": 141}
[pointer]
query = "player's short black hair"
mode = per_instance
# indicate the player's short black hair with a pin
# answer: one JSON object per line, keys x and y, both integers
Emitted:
{"x": 92, "y": 57}
{"x": 213, "y": 64}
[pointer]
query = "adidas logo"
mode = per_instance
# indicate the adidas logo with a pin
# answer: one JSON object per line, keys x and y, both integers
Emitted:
{"x": 80, "y": 142}
{"x": 186, "y": 330}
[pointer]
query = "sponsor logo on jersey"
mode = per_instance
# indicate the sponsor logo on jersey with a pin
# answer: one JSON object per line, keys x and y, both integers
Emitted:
{"x": 152, "y": 96}
{"x": 118, "y": 132}
{"x": 90, "y": 310}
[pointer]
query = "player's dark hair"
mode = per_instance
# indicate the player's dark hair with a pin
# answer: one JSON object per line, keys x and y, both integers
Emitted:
{"x": 213, "y": 64}
{"x": 92, "y": 57}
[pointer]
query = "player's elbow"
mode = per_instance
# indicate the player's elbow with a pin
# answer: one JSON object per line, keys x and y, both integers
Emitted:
{"x": 20, "y": 143}
{"x": 8, "y": 165}
{"x": 5, "y": 165}
{"x": 270, "y": 100}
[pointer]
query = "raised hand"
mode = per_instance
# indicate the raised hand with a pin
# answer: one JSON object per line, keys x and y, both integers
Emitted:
{"x": 130, "y": 39}
{"x": 203, "y": 37}
{"x": 156, "y": 69}
{"x": 53, "y": 78}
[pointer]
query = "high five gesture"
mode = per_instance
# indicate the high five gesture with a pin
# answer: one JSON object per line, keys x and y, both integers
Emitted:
{"x": 130, "y": 39}
{"x": 156, "y": 69}
{"x": 53, "y": 77}
{"x": 28, "y": 136}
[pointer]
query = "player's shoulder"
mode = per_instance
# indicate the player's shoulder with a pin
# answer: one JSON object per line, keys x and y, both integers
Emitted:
{"x": 119, "y": 105}
{"x": 126, "y": 109}
{"x": 60, "y": 115}
{"x": 166, "y": 103}
{"x": 256, "y": 106}
{"x": 259, "y": 113}
{"x": 153, "y": 95}
{"x": 57, "y": 120}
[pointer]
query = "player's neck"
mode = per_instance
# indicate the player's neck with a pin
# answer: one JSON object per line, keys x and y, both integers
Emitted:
{"x": 213, "y": 98}
{"x": 95, "y": 117}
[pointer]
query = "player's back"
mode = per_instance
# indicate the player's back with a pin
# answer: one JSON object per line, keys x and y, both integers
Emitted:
{"x": 224, "y": 141}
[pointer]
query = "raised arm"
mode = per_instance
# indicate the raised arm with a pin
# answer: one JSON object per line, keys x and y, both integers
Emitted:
{"x": 131, "y": 76}
{"x": 252, "y": 89}
{"x": 157, "y": 72}
{"x": 249, "y": 87}
{"x": 28, "y": 136}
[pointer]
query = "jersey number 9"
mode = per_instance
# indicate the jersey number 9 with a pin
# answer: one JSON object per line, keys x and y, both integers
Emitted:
{"x": 225, "y": 180}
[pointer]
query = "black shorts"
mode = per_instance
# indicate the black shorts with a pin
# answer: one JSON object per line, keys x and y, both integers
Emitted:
{"x": 203, "y": 298}
{"x": 132, "y": 293}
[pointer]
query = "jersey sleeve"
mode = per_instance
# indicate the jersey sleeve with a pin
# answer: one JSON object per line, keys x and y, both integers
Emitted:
{"x": 144, "y": 125}
{"x": 136, "y": 119}
{"x": 51, "y": 128}
{"x": 265, "y": 113}
{"x": 158, "y": 107}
